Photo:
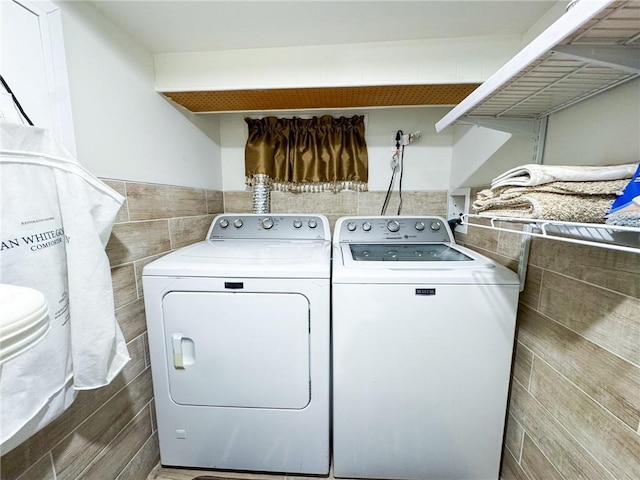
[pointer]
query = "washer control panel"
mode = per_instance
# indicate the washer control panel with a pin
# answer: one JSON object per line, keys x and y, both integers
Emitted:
{"x": 393, "y": 229}
{"x": 269, "y": 226}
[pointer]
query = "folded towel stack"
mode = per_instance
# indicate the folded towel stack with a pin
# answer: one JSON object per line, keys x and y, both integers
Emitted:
{"x": 533, "y": 174}
{"x": 555, "y": 192}
{"x": 551, "y": 206}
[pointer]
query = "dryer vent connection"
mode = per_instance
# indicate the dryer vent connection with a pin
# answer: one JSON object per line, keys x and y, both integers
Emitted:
{"x": 261, "y": 194}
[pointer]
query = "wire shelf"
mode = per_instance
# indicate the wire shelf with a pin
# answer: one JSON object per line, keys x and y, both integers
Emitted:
{"x": 613, "y": 237}
{"x": 593, "y": 47}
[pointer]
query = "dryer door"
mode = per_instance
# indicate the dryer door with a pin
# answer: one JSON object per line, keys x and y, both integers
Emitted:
{"x": 237, "y": 349}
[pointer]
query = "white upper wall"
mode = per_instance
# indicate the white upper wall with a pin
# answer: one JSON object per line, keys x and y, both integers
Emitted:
{"x": 124, "y": 129}
{"x": 472, "y": 147}
{"x": 548, "y": 18}
{"x": 603, "y": 130}
{"x": 460, "y": 60}
{"x": 427, "y": 161}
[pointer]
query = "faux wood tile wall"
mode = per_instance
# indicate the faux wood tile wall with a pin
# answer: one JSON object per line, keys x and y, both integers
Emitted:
{"x": 110, "y": 433}
{"x": 574, "y": 408}
{"x": 335, "y": 205}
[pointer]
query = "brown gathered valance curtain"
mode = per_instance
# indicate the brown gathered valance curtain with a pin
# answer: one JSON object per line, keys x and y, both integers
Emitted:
{"x": 308, "y": 155}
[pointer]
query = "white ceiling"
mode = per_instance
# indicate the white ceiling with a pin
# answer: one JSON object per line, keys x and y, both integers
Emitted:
{"x": 195, "y": 26}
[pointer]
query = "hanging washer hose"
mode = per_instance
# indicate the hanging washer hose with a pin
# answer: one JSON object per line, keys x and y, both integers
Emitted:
{"x": 395, "y": 161}
{"x": 400, "y": 181}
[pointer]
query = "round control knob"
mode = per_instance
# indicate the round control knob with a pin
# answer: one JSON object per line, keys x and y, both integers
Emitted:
{"x": 351, "y": 226}
{"x": 419, "y": 226}
{"x": 267, "y": 223}
{"x": 312, "y": 223}
{"x": 366, "y": 226}
{"x": 435, "y": 226}
{"x": 224, "y": 223}
{"x": 237, "y": 223}
{"x": 297, "y": 223}
{"x": 393, "y": 225}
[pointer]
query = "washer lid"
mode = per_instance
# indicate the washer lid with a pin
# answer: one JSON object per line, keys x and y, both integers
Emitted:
{"x": 247, "y": 258}
{"x": 395, "y": 263}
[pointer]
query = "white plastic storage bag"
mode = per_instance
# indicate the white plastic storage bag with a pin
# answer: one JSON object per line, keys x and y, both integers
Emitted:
{"x": 55, "y": 221}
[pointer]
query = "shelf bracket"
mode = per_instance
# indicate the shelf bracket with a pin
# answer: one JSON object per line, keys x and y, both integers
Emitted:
{"x": 518, "y": 126}
{"x": 626, "y": 59}
{"x": 523, "y": 259}
{"x": 531, "y": 127}
{"x": 540, "y": 138}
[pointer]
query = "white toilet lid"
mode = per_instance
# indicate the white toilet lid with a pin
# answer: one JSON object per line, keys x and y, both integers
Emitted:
{"x": 24, "y": 319}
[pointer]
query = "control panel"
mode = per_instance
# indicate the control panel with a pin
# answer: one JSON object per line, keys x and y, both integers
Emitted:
{"x": 269, "y": 226}
{"x": 393, "y": 229}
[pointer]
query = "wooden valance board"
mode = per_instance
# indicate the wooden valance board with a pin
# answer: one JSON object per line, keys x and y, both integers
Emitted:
{"x": 321, "y": 97}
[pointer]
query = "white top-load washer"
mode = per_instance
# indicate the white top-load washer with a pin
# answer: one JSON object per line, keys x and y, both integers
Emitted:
{"x": 238, "y": 330}
{"x": 422, "y": 337}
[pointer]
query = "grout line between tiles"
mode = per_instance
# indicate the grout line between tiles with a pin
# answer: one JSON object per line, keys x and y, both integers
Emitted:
{"x": 126, "y": 202}
{"x": 528, "y": 387}
{"x": 524, "y": 432}
{"x": 53, "y": 466}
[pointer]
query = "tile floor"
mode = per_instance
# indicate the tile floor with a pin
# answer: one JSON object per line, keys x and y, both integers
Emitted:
{"x": 166, "y": 473}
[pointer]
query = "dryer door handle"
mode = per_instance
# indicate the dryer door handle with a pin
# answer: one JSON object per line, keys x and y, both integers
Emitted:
{"x": 178, "y": 358}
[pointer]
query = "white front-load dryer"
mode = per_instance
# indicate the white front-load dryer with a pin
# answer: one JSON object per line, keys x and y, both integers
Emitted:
{"x": 422, "y": 335}
{"x": 238, "y": 331}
